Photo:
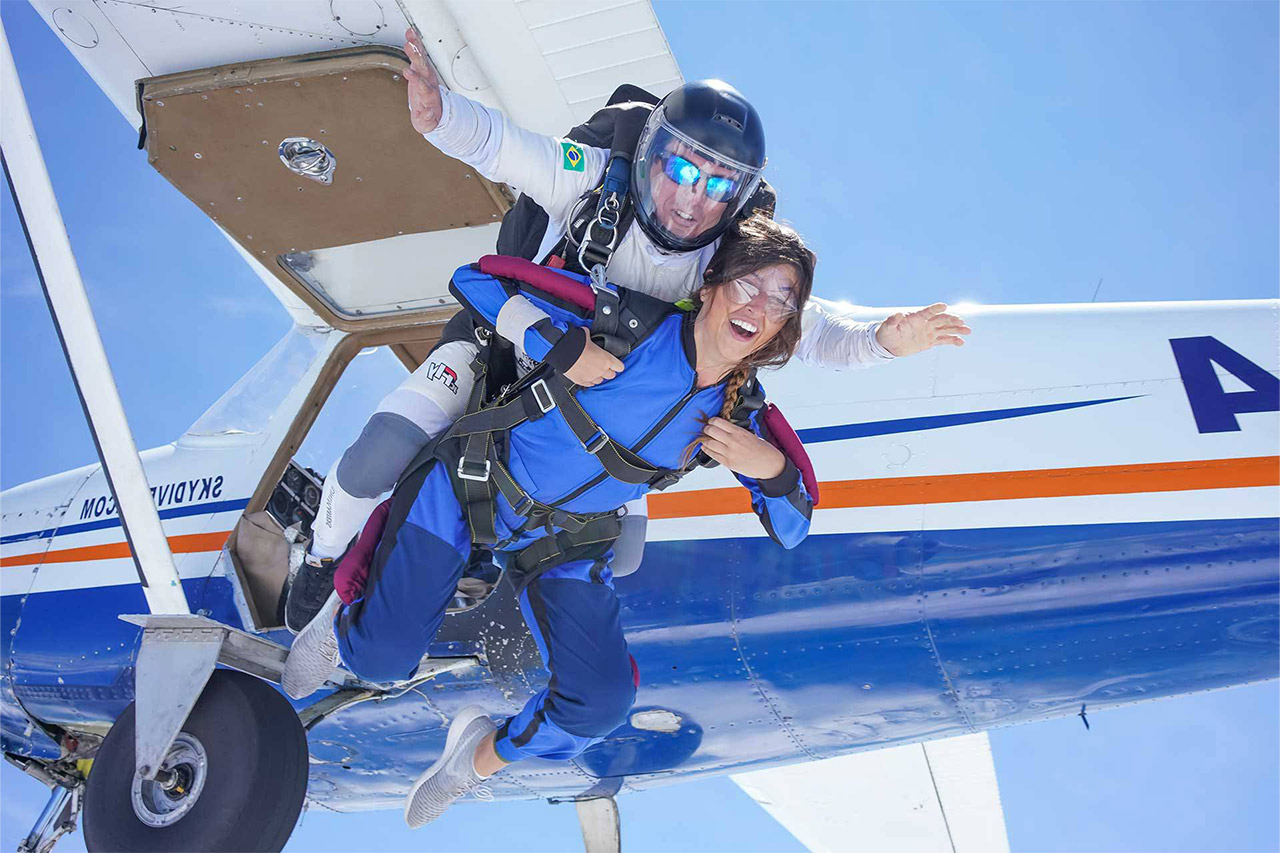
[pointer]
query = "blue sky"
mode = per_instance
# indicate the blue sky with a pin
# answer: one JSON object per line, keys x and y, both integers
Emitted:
{"x": 987, "y": 152}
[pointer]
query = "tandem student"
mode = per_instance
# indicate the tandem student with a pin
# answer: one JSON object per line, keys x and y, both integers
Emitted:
{"x": 545, "y": 489}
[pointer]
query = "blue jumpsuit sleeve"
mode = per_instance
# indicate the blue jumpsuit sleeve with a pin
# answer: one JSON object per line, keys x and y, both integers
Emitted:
{"x": 782, "y": 503}
{"x": 485, "y": 297}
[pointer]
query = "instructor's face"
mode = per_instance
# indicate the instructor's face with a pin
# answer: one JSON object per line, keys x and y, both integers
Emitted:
{"x": 684, "y": 209}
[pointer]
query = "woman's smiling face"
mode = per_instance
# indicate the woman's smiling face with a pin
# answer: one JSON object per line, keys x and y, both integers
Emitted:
{"x": 730, "y": 331}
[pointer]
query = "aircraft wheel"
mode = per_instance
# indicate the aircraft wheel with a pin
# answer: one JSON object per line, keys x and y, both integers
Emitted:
{"x": 236, "y": 777}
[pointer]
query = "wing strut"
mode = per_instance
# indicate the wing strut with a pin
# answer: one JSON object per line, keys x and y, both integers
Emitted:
{"x": 28, "y": 178}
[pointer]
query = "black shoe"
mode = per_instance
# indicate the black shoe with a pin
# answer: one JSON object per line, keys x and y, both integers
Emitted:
{"x": 309, "y": 591}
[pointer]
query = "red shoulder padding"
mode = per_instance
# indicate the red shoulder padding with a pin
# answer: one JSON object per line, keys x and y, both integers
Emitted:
{"x": 353, "y": 572}
{"x": 542, "y": 278}
{"x": 790, "y": 444}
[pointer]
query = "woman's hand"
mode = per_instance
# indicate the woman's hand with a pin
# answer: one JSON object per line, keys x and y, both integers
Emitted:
{"x": 741, "y": 450}
{"x": 908, "y": 334}
{"x": 425, "y": 106}
{"x": 594, "y": 366}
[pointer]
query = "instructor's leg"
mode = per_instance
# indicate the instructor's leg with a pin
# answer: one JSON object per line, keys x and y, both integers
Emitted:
{"x": 423, "y": 406}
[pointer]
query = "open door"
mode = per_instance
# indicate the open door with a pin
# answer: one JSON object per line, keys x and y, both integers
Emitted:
{"x": 362, "y": 369}
{"x": 311, "y": 165}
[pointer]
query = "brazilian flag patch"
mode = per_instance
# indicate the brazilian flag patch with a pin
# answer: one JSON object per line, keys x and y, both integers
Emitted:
{"x": 573, "y": 158}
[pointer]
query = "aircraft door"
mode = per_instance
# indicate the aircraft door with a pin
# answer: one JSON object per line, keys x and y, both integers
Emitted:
{"x": 283, "y": 504}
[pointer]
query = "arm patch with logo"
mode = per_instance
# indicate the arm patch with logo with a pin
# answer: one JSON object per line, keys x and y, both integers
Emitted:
{"x": 574, "y": 161}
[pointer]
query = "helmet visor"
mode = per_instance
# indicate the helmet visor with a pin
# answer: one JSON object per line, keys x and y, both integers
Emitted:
{"x": 684, "y": 193}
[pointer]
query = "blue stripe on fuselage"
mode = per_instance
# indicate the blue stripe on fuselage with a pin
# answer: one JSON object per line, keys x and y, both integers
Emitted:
{"x": 176, "y": 512}
{"x": 838, "y": 432}
{"x": 813, "y": 435}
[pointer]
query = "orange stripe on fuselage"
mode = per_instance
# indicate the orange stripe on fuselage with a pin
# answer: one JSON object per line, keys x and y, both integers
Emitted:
{"x": 188, "y": 544}
{"x": 996, "y": 486}
{"x": 886, "y": 491}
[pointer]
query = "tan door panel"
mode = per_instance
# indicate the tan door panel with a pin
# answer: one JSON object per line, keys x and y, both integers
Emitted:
{"x": 215, "y": 135}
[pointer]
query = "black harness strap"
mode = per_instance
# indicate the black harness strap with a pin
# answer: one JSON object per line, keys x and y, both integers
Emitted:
{"x": 533, "y": 401}
{"x": 618, "y": 461}
{"x": 480, "y": 473}
{"x": 592, "y": 540}
{"x": 604, "y": 323}
{"x": 537, "y": 514}
{"x": 604, "y": 214}
{"x": 471, "y": 476}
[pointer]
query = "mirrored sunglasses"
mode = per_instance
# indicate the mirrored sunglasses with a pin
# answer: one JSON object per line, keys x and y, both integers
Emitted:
{"x": 686, "y": 174}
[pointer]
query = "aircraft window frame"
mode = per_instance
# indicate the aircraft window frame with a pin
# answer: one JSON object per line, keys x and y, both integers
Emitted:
{"x": 247, "y": 407}
{"x": 409, "y": 343}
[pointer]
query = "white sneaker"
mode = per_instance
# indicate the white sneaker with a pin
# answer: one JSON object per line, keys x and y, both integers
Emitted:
{"x": 314, "y": 654}
{"x": 454, "y": 774}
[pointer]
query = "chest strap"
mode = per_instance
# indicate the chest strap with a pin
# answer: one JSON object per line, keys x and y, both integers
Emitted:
{"x": 480, "y": 473}
{"x": 618, "y": 460}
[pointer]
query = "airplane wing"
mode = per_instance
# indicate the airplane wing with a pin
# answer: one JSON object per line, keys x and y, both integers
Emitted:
{"x": 546, "y": 65}
{"x": 935, "y": 797}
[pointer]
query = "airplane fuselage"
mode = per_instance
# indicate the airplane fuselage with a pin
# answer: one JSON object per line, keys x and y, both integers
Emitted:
{"x": 1004, "y": 534}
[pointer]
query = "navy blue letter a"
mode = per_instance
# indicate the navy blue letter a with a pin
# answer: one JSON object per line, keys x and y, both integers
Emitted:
{"x": 1215, "y": 410}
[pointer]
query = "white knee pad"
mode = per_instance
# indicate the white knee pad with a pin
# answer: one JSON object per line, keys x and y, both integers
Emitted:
{"x": 435, "y": 395}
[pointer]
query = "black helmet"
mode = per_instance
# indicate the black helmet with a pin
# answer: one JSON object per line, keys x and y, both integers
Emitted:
{"x": 697, "y": 163}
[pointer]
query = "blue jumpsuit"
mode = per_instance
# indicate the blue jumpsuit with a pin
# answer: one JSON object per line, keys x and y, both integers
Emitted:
{"x": 653, "y": 407}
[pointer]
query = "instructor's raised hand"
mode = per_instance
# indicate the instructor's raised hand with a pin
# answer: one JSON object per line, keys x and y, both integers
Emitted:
{"x": 908, "y": 334}
{"x": 424, "y": 86}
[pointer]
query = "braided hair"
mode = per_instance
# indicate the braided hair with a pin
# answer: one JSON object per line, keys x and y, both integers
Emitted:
{"x": 732, "y": 386}
{"x": 750, "y": 245}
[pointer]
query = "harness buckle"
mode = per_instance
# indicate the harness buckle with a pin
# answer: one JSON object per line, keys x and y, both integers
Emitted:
{"x": 523, "y": 506}
{"x": 665, "y": 481}
{"x": 469, "y": 472}
{"x": 609, "y": 214}
{"x": 596, "y": 443}
{"x": 542, "y": 396}
{"x": 598, "y": 282}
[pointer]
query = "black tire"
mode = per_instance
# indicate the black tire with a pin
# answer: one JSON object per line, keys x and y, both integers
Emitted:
{"x": 255, "y": 776}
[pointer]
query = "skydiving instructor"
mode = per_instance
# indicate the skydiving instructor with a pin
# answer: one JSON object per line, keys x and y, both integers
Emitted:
{"x": 698, "y": 162}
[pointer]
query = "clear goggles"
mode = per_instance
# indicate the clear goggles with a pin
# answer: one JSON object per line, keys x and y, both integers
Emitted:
{"x": 779, "y": 304}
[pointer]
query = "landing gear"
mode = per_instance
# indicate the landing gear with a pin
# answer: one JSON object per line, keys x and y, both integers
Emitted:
{"x": 234, "y": 777}
{"x": 601, "y": 826}
{"x": 57, "y": 819}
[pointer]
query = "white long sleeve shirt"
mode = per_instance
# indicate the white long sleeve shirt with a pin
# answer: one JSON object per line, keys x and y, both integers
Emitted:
{"x": 538, "y": 166}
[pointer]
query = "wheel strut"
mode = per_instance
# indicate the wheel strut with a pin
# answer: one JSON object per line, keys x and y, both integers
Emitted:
{"x": 56, "y": 820}
{"x": 601, "y": 826}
